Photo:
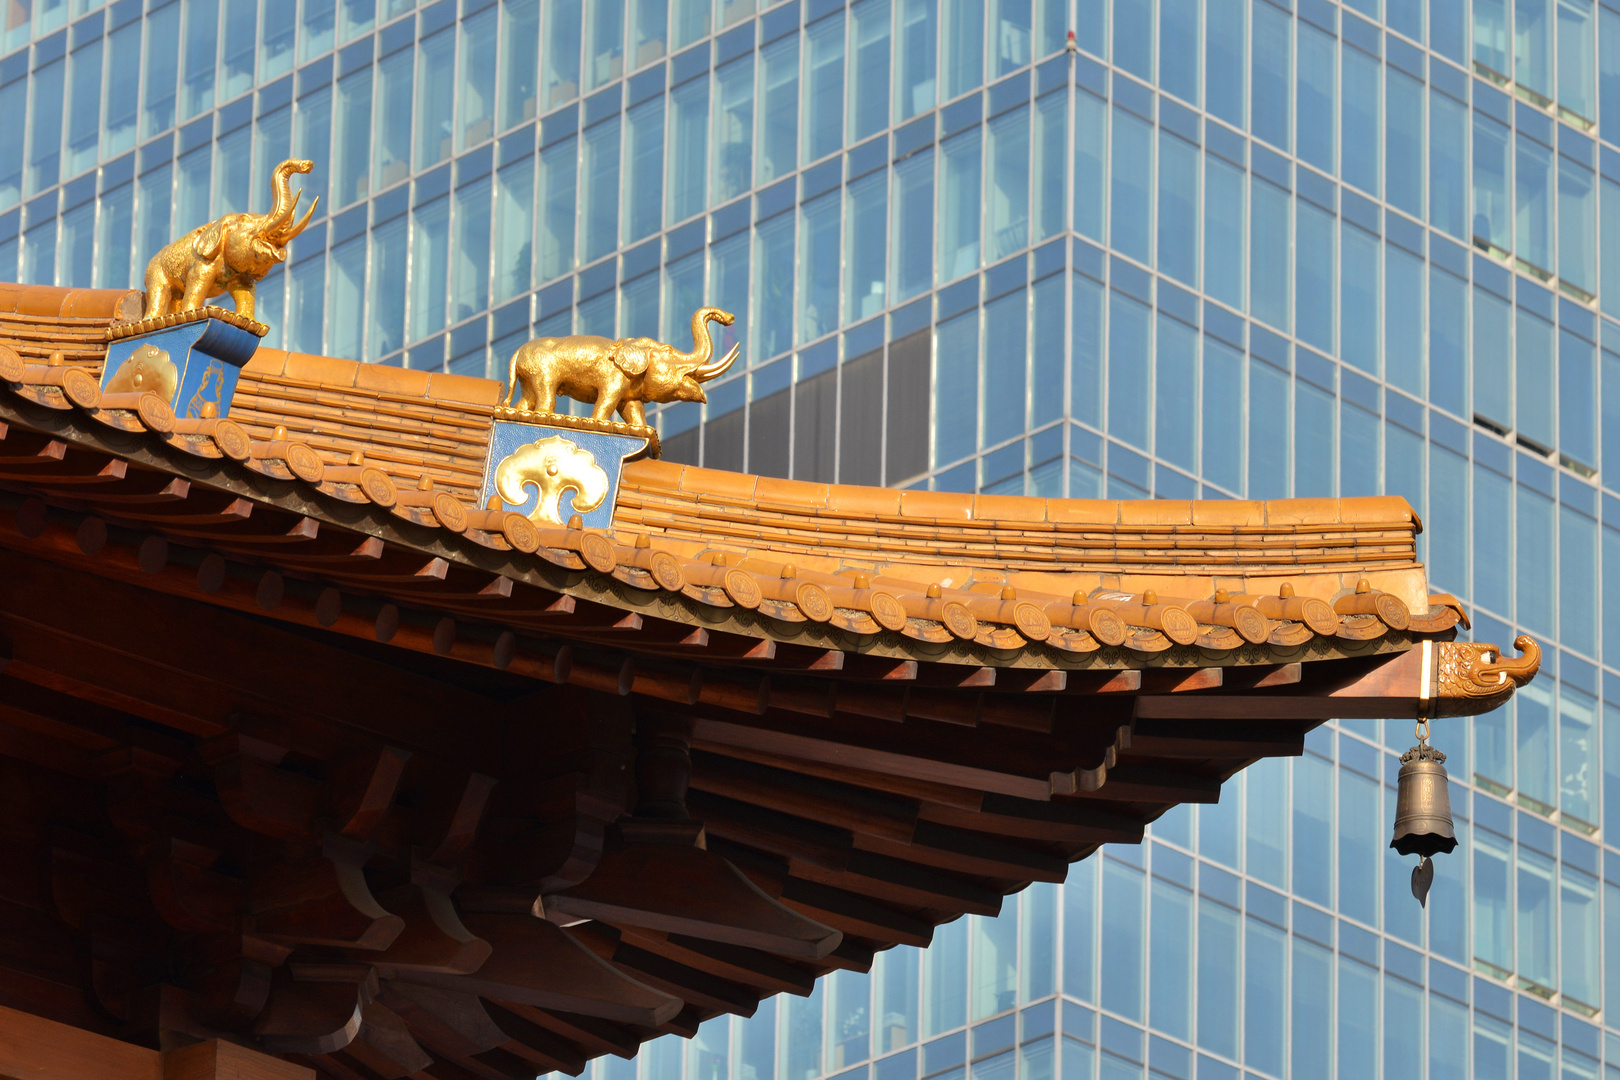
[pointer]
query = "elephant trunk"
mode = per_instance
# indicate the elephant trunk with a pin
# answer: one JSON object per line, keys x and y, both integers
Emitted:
{"x": 703, "y": 345}
{"x": 279, "y": 226}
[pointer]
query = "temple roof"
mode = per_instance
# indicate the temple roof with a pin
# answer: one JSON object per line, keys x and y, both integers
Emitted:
{"x": 897, "y": 706}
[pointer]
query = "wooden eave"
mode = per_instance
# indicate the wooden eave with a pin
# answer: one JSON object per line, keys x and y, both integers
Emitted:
{"x": 220, "y": 667}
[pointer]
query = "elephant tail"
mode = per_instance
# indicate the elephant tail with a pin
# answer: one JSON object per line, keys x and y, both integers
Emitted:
{"x": 509, "y": 388}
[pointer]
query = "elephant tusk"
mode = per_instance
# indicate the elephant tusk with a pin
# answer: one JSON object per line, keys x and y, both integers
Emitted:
{"x": 291, "y": 232}
{"x": 714, "y": 371}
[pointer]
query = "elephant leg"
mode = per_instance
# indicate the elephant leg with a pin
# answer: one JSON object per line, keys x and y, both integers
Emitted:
{"x": 242, "y": 296}
{"x": 158, "y": 298}
{"x": 199, "y": 287}
{"x": 634, "y": 413}
{"x": 605, "y": 405}
{"x": 544, "y": 396}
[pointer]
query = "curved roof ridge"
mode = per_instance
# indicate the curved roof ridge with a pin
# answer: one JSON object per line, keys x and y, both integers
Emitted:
{"x": 850, "y": 500}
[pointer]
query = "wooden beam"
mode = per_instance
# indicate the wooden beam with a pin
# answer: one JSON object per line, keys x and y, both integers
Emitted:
{"x": 1384, "y": 686}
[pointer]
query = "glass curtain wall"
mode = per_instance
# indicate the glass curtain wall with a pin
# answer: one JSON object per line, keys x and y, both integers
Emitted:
{"x": 1218, "y": 248}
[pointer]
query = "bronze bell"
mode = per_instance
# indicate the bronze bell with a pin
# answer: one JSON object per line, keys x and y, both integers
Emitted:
{"x": 1423, "y": 811}
{"x": 1422, "y": 804}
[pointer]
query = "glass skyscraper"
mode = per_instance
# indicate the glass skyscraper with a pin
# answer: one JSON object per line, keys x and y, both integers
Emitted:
{"x": 1218, "y": 248}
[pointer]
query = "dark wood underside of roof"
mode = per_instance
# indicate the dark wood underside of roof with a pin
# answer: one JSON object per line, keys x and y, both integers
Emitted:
{"x": 168, "y": 760}
{"x": 301, "y": 784}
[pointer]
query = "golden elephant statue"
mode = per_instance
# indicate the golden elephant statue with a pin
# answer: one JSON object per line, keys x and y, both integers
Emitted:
{"x": 228, "y": 255}
{"x": 616, "y": 375}
{"x": 552, "y": 466}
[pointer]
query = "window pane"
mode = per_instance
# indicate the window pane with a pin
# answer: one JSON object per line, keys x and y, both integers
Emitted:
{"x": 435, "y": 68}
{"x": 1273, "y": 50}
{"x": 1170, "y": 959}
{"x": 1130, "y": 370}
{"x": 819, "y": 259}
{"x": 470, "y": 282}
{"x": 346, "y": 293}
{"x": 1009, "y": 183}
{"x": 994, "y": 979}
{"x": 556, "y": 206}
{"x": 1318, "y": 97}
{"x": 123, "y": 91}
{"x": 644, "y": 168}
{"x": 733, "y": 129}
{"x": 945, "y": 979}
{"x": 1225, "y": 233}
{"x": 689, "y": 157}
{"x": 45, "y": 127}
{"x": 599, "y": 210}
{"x": 84, "y": 108}
{"x": 1218, "y": 982}
{"x": 385, "y": 329}
{"x": 559, "y": 69}
{"x": 1360, "y": 133}
{"x": 430, "y": 244}
{"x": 1533, "y": 203}
{"x": 1005, "y": 404}
{"x": 1179, "y": 37}
{"x": 964, "y": 46}
{"x": 393, "y": 128}
{"x": 113, "y": 251}
{"x": 649, "y": 29}
{"x": 1538, "y": 920}
{"x": 1313, "y": 829}
{"x": 778, "y": 137}
{"x": 956, "y": 388}
{"x": 1080, "y": 930}
{"x": 1132, "y": 163}
{"x": 202, "y": 42}
{"x": 1124, "y": 910}
{"x": 824, "y": 89}
{"x": 915, "y": 70}
{"x": 1312, "y": 1009}
{"x": 1265, "y": 977}
{"x": 1224, "y": 52}
{"x": 351, "y": 166}
{"x": 604, "y": 42}
{"x": 1577, "y": 226}
{"x": 477, "y": 107}
{"x": 960, "y": 205}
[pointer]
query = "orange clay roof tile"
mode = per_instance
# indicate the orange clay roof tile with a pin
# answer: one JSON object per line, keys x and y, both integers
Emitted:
{"x": 848, "y": 500}
{"x": 729, "y": 486}
{"x": 1162, "y": 512}
{"x": 1009, "y": 508}
{"x": 1228, "y": 513}
{"x": 40, "y": 300}
{"x": 466, "y": 389}
{"x": 797, "y": 493}
{"x": 392, "y": 380}
{"x": 941, "y": 506}
{"x": 1072, "y": 512}
{"x": 321, "y": 370}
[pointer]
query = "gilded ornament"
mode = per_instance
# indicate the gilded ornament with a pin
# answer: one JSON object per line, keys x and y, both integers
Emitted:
{"x": 552, "y": 466}
{"x": 1473, "y": 677}
{"x": 620, "y": 375}
{"x": 227, "y": 255}
{"x": 147, "y": 369}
